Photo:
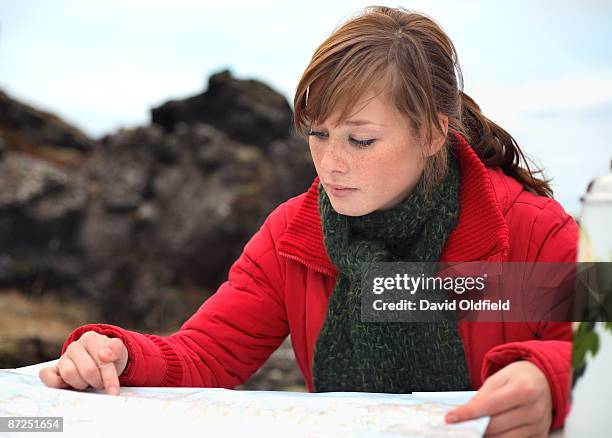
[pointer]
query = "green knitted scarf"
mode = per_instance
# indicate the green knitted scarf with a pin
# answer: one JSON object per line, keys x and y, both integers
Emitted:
{"x": 391, "y": 357}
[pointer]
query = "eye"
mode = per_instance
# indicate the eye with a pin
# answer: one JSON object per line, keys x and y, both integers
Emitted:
{"x": 363, "y": 143}
{"x": 359, "y": 143}
{"x": 315, "y": 133}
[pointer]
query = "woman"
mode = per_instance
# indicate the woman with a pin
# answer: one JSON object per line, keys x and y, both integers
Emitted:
{"x": 408, "y": 169}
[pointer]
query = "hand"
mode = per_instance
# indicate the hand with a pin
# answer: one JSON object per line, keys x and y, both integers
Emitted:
{"x": 518, "y": 400}
{"x": 94, "y": 360}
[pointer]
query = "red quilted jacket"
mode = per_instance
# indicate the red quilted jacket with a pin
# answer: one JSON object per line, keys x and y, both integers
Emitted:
{"x": 282, "y": 281}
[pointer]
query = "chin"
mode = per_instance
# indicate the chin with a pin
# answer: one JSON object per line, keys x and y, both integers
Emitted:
{"x": 349, "y": 210}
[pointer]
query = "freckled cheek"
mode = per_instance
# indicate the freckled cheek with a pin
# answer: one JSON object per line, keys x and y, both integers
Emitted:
{"x": 313, "y": 151}
{"x": 315, "y": 155}
{"x": 373, "y": 174}
{"x": 384, "y": 176}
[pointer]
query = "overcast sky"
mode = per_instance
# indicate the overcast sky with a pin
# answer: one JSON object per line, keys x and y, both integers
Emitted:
{"x": 542, "y": 70}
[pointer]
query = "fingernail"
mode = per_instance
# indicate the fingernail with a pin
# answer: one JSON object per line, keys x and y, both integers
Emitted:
{"x": 452, "y": 418}
{"x": 113, "y": 390}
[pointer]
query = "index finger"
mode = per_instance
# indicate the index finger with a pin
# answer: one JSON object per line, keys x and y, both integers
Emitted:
{"x": 487, "y": 403}
{"x": 109, "y": 377}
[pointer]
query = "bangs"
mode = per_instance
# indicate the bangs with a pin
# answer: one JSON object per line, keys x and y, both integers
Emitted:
{"x": 342, "y": 89}
{"x": 372, "y": 53}
{"x": 350, "y": 84}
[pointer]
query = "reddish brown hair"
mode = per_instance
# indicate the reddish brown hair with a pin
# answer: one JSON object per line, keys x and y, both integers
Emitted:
{"x": 407, "y": 56}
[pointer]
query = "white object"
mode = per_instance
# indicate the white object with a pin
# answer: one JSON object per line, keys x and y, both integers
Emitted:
{"x": 592, "y": 394}
{"x": 223, "y": 412}
{"x": 596, "y": 222}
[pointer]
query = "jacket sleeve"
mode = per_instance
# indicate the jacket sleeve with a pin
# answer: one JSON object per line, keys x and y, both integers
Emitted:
{"x": 554, "y": 238}
{"x": 228, "y": 338}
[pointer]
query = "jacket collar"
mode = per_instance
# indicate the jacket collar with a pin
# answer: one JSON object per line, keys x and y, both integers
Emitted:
{"x": 481, "y": 230}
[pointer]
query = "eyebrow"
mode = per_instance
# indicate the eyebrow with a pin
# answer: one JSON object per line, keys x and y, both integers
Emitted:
{"x": 362, "y": 122}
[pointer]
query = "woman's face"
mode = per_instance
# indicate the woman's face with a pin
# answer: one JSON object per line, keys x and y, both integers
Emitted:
{"x": 378, "y": 173}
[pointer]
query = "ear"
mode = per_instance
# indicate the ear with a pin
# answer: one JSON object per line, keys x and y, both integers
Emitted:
{"x": 438, "y": 139}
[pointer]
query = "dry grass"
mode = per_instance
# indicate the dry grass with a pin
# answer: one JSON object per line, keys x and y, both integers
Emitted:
{"x": 33, "y": 330}
{"x": 46, "y": 317}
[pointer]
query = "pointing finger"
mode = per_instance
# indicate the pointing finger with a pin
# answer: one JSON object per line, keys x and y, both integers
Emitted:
{"x": 110, "y": 379}
{"x": 486, "y": 404}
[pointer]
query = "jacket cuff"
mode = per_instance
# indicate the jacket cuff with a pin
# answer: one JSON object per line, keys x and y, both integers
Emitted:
{"x": 551, "y": 357}
{"x": 151, "y": 360}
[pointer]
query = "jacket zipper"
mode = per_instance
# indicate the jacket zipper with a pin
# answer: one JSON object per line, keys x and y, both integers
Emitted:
{"x": 308, "y": 265}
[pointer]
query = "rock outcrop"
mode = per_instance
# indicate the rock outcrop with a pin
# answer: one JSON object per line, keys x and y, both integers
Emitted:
{"x": 26, "y": 129}
{"x": 249, "y": 111}
{"x": 144, "y": 223}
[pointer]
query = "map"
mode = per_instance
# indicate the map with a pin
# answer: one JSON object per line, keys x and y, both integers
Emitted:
{"x": 222, "y": 412}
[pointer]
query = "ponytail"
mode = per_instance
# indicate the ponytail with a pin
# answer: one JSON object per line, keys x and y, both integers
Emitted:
{"x": 496, "y": 147}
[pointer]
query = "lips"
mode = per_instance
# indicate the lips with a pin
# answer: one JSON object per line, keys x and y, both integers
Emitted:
{"x": 338, "y": 191}
{"x": 338, "y": 187}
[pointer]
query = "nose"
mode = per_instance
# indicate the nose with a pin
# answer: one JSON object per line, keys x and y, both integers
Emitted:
{"x": 333, "y": 159}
